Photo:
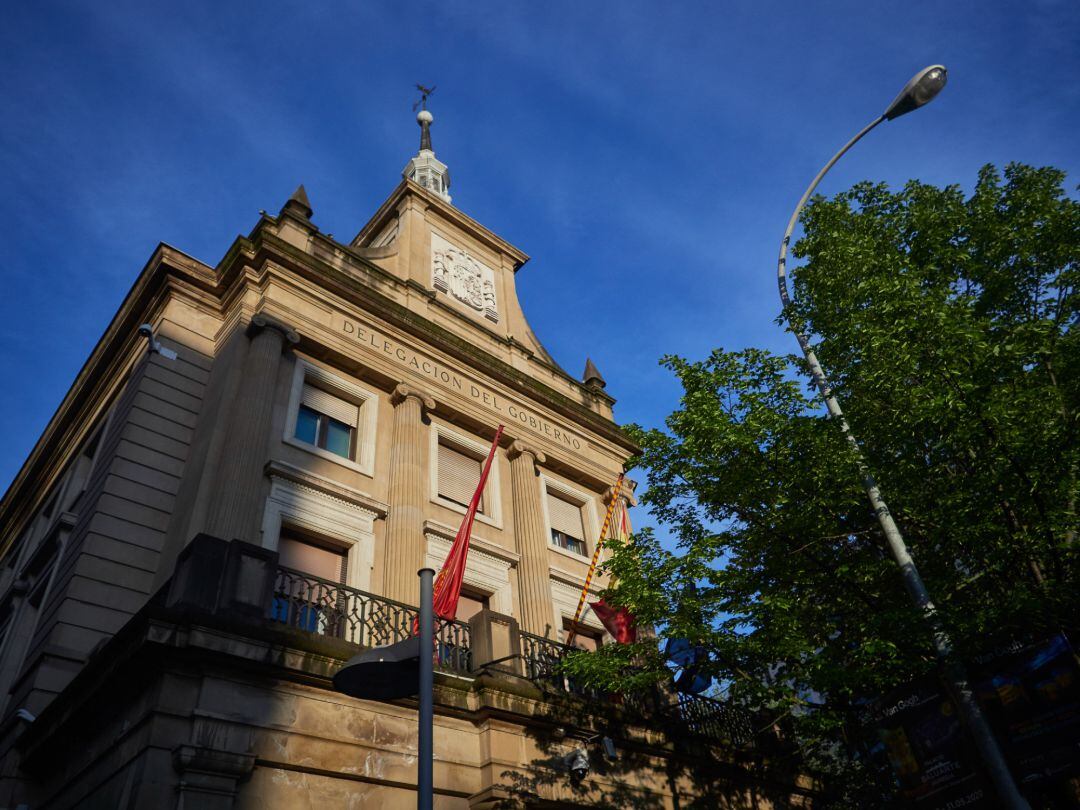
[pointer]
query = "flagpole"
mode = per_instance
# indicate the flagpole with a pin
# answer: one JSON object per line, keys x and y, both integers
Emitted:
{"x": 595, "y": 558}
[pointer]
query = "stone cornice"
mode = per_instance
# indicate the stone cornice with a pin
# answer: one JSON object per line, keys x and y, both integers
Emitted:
{"x": 333, "y": 489}
{"x": 433, "y": 527}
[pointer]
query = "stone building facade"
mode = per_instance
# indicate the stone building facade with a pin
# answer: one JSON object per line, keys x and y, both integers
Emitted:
{"x": 217, "y": 516}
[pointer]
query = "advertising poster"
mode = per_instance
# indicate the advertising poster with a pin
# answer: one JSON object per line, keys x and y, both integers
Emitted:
{"x": 916, "y": 734}
{"x": 1031, "y": 696}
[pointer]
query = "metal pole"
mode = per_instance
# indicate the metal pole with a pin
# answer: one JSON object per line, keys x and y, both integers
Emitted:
{"x": 425, "y": 734}
{"x": 972, "y": 715}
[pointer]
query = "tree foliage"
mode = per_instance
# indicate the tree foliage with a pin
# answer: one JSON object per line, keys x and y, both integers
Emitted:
{"x": 945, "y": 323}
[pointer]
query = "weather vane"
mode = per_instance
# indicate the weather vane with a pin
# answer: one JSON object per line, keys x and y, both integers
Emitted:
{"x": 424, "y": 93}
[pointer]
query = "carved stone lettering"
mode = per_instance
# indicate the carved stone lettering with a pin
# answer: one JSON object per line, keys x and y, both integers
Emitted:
{"x": 509, "y": 412}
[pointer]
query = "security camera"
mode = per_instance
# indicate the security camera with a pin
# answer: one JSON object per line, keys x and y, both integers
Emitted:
{"x": 578, "y": 763}
{"x": 147, "y": 331}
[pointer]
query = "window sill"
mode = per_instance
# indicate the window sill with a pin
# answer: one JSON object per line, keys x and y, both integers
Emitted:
{"x": 573, "y": 555}
{"x": 326, "y": 454}
{"x": 457, "y": 507}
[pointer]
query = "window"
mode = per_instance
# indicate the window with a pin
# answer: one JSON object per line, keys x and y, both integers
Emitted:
{"x": 456, "y": 462}
{"x": 311, "y": 557}
{"x": 326, "y": 421}
{"x": 459, "y": 473}
{"x": 567, "y": 527}
{"x": 303, "y": 601}
{"x": 332, "y": 417}
{"x": 586, "y": 638}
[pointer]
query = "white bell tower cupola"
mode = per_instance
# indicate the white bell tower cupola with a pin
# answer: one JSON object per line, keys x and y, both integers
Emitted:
{"x": 425, "y": 169}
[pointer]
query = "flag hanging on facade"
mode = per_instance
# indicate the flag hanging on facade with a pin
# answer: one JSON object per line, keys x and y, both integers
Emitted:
{"x": 448, "y": 582}
{"x": 618, "y": 621}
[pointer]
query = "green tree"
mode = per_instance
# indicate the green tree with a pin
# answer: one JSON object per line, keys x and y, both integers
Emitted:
{"x": 945, "y": 325}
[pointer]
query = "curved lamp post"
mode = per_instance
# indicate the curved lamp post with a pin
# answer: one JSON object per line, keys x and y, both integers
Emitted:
{"x": 922, "y": 89}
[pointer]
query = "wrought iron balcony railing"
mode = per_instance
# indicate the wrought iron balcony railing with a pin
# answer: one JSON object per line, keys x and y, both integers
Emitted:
{"x": 327, "y": 608}
{"x": 695, "y": 714}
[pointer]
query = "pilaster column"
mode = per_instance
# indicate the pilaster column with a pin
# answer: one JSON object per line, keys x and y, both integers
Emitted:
{"x": 405, "y": 517}
{"x": 534, "y": 574}
{"x": 236, "y": 509}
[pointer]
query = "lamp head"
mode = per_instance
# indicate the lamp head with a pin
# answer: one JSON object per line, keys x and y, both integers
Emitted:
{"x": 922, "y": 89}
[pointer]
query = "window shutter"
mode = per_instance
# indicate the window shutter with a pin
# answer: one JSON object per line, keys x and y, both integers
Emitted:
{"x": 312, "y": 559}
{"x": 334, "y": 407}
{"x": 565, "y": 516}
{"x": 458, "y": 475}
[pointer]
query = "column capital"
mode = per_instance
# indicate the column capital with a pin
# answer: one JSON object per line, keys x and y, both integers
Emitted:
{"x": 626, "y": 492}
{"x": 519, "y": 447}
{"x": 261, "y": 322}
{"x": 403, "y": 391}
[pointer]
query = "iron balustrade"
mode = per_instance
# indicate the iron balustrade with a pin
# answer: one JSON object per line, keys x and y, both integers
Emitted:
{"x": 328, "y": 608}
{"x": 698, "y": 715}
{"x": 716, "y": 719}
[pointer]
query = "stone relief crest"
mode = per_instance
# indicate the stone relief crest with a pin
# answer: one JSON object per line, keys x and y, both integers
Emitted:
{"x": 458, "y": 274}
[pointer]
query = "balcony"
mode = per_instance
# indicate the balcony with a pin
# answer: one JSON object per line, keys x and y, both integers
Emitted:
{"x": 315, "y": 605}
{"x": 321, "y": 607}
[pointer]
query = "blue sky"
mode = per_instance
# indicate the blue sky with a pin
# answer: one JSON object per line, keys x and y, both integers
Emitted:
{"x": 646, "y": 155}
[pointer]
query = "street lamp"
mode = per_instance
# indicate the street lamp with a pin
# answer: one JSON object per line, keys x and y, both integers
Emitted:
{"x": 922, "y": 89}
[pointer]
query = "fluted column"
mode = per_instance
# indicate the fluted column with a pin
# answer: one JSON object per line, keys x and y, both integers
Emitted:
{"x": 405, "y": 518}
{"x": 236, "y": 508}
{"x": 534, "y": 575}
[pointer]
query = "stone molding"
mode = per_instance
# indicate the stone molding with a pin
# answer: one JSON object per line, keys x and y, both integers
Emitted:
{"x": 403, "y": 391}
{"x": 328, "y": 487}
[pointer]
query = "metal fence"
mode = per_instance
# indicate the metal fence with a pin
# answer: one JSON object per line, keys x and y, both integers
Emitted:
{"x": 697, "y": 715}
{"x": 330, "y": 609}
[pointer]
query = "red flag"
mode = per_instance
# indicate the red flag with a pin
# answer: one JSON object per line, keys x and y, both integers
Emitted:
{"x": 618, "y": 620}
{"x": 448, "y": 582}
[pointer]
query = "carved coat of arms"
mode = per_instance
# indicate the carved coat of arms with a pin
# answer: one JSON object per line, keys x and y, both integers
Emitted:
{"x": 457, "y": 273}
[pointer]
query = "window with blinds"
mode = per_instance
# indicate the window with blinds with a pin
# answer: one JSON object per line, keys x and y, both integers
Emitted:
{"x": 316, "y": 559}
{"x": 459, "y": 474}
{"x": 567, "y": 528}
{"x": 327, "y": 421}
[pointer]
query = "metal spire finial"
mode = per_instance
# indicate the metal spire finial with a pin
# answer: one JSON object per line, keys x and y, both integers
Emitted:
{"x": 424, "y": 118}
